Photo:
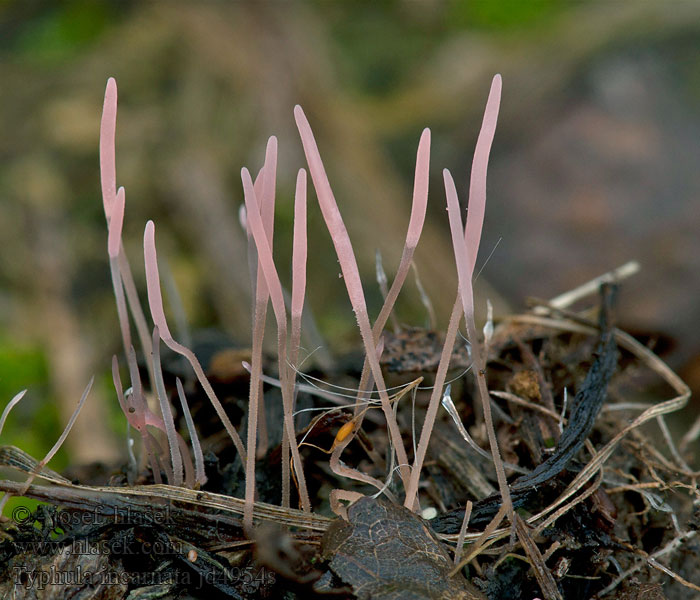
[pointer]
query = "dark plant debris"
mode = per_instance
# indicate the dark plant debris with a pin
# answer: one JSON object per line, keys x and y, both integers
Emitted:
{"x": 605, "y": 508}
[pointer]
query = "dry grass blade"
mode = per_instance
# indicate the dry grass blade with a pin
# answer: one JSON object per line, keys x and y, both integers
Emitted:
{"x": 10, "y": 405}
{"x": 657, "y": 565}
{"x": 672, "y": 546}
{"x": 17, "y": 459}
{"x": 59, "y": 442}
{"x": 569, "y": 505}
{"x": 590, "y": 287}
{"x": 484, "y": 539}
{"x": 527, "y": 404}
{"x": 452, "y": 411}
{"x": 542, "y": 574}
{"x": 463, "y": 531}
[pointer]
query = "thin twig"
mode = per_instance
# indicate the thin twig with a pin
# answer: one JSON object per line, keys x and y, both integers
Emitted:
{"x": 463, "y": 530}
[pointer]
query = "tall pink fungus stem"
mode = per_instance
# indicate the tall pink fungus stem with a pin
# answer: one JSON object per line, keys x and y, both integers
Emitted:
{"x": 265, "y": 187}
{"x": 471, "y": 239}
{"x": 155, "y": 302}
{"x": 478, "y": 356}
{"x": 167, "y": 412}
{"x": 415, "y": 227}
{"x": 299, "y": 252}
{"x": 419, "y": 206}
{"x": 108, "y": 127}
{"x": 113, "y": 246}
{"x": 200, "y": 477}
{"x": 299, "y": 256}
{"x": 351, "y": 276}
{"x": 433, "y": 404}
{"x": 277, "y": 298}
{"x": 477, "y": 181}
{"x": 119, "y": 265}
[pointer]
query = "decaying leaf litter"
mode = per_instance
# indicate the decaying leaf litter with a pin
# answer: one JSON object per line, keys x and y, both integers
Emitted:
{"x": 526, "y": 463}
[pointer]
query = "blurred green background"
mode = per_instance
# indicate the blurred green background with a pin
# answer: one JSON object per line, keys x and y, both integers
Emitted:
{"x": 594, "y": 164}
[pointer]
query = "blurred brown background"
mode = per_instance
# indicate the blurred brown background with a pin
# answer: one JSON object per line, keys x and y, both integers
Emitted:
{"x": 595, "y": 163}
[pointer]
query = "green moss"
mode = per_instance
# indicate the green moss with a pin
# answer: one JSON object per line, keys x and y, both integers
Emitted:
{"x": 18, "y": 509}
{"x": 33, "y": 423}
{"x": 62, "y": 31}
{"x": 501, "y": 14}
{"x": 18, "y": 365}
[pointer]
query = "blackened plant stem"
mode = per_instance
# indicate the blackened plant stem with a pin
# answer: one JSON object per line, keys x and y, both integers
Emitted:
{"x": 584, "y": 411}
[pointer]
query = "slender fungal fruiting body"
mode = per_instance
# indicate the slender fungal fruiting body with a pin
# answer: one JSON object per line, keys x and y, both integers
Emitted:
{"x": 258, "y": 220}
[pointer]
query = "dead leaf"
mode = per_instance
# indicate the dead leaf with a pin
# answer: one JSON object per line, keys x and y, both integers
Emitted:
{"x": 386, "y": 552}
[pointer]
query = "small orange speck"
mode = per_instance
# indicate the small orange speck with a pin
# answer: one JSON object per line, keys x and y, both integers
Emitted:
{"x": 344, "y": 432}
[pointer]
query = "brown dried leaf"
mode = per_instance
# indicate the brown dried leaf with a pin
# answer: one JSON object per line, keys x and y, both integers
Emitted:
{"x": 386, "y": 552}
